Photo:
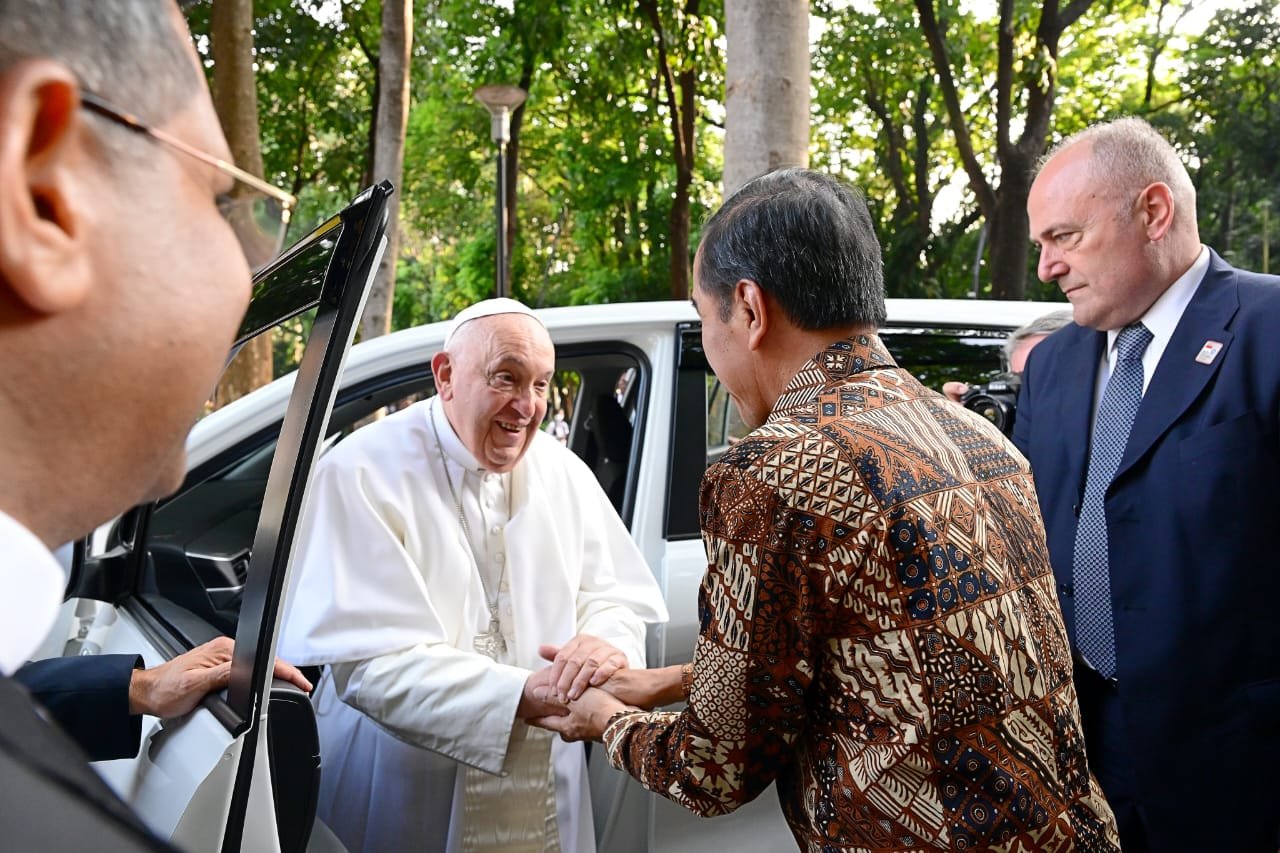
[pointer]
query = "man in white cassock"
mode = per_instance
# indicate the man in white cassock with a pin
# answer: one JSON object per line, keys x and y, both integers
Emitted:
{"x": 446, "y": 550}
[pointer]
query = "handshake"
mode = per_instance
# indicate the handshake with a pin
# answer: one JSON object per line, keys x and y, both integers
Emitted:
{"x": 587, "y": 682}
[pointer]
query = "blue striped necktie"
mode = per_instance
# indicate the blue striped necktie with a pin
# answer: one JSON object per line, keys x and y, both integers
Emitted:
{"x": 1095, "y": 632}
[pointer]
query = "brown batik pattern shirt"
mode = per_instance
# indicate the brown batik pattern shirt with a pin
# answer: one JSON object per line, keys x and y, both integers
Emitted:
{"x": 879, "y": 632}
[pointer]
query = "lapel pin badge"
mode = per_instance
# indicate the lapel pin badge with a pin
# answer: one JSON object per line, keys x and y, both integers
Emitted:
{"x": 1208, "y": 352}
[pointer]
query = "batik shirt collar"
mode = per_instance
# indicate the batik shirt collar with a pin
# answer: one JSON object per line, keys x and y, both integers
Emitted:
{"x": 837, "y": 364}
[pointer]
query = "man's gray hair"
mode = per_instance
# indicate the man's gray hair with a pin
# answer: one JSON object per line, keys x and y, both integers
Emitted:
{"x": 126, "y": 51}
{"x": 1043, "y": 325}
{"x": 1128, "y": 154}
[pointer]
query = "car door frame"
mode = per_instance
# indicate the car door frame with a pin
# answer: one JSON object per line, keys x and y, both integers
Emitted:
{"x": 115, "y": 576}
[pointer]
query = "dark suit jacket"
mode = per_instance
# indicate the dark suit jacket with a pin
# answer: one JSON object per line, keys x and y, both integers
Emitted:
{"x": 1189, "y": 519}
{"x": 88, "y": 696}
{"x": 52, "y": 799}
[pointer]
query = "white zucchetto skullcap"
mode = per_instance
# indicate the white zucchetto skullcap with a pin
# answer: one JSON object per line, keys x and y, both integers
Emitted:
{"x": 487, "y": 308}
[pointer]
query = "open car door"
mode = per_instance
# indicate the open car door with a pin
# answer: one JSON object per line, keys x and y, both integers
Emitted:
{"x": 241, "y": 772}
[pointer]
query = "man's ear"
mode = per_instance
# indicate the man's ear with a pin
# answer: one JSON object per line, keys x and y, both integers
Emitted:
{"x": 1156, "y": 207}
{"x": 442, "y": 368}
{"x": 44, "y": 263}
{"x": 753, "y": 304}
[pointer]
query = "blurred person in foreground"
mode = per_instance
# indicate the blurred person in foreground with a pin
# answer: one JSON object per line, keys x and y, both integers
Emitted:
{"x": 443, "y": 548}
{"x": 879, "y": 630}
{"x": 111, "y": 240}
{"x": 1153, "y": 427}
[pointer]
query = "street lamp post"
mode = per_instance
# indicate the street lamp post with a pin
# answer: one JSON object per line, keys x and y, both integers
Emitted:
{"x": 501, "y": 101}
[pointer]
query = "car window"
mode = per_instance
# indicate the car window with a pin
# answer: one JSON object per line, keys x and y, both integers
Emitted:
{"x": 178, "y": 573}
{"x": 696, "y": 433}
{"x": 186, "y": 559}
{"x": 197, "y": 544}
{"x": 936, "y": 355}
{"x": 724, "y": 423}
{"x": 933, "y": 355}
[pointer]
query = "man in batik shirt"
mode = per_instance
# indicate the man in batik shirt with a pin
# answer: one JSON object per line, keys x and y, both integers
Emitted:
{"x": 879, "y": 626}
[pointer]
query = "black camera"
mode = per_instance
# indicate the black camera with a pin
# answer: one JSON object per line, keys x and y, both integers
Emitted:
{"x": 996, "y": 400}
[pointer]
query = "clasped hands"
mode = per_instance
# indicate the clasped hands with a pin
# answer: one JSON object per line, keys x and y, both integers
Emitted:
{"x": 586, "y": 683}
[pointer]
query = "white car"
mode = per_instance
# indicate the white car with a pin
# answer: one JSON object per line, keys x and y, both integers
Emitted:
{"x": 646, "y": 415}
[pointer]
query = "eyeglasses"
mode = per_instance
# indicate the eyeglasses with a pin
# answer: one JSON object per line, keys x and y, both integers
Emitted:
{"x": 257, "y": 212}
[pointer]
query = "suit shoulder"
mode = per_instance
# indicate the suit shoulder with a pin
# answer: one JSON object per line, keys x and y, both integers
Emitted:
{"x": 1258, "y": 291}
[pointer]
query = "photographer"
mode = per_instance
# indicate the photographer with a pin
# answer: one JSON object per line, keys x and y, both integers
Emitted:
{"x": 995, "y": 399}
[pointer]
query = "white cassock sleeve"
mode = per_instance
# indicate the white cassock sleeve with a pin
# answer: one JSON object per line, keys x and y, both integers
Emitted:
{"x": 392, "y": 630}
{"x": 448, "y": 701}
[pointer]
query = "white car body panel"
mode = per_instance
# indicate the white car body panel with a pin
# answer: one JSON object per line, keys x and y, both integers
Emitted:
{"x": 181, "y": 779}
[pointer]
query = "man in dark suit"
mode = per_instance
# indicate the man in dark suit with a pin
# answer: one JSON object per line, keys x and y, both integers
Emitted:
{"x": 122, "y": 285}
{"x": 1153, "y": 429}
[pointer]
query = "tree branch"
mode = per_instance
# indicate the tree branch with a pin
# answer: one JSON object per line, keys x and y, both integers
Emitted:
{"x": 978, "y": 182}
{"x": 1004, "y": 75}
{"x": 650, "y": 9}
{"x": 920, "y": 126}
{"x": 893, "y": 136}
{"x": 1068, "y": 16}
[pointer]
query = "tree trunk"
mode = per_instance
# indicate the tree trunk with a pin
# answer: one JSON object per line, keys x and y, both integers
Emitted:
{"x": 680, "y": 94}
{"x": 235, "y": 98}
{"x": 766, "y": 84}
{"x": 1009, "y": 232}
{"x": 1005, "y": 207}
{"x": 390, "y": 121}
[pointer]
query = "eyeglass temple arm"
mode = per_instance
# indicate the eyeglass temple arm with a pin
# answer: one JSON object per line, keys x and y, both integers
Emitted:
{"x": 95, "y": 104}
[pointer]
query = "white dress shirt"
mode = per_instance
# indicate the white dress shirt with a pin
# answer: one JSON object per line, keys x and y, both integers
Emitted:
{"x": 33, "y": 583}
{"x": 1161, "y": 320}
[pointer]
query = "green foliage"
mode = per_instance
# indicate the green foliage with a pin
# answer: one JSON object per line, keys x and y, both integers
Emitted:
{"x": 315, "y": 86}
{"x": 880, "y": 121}
{"x": 885, "y": 130}
{"x": 1228, "y": 122}
{"x": 595, "y": 147}
{"x": 596, "y": 175}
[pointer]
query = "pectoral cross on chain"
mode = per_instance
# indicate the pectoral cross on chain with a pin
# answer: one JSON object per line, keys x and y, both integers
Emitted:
{"x": 491, "y": 643}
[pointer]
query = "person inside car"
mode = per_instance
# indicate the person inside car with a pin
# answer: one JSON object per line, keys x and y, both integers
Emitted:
{"x": 1017, "y": 347}
{"x": 442, "y": 548}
